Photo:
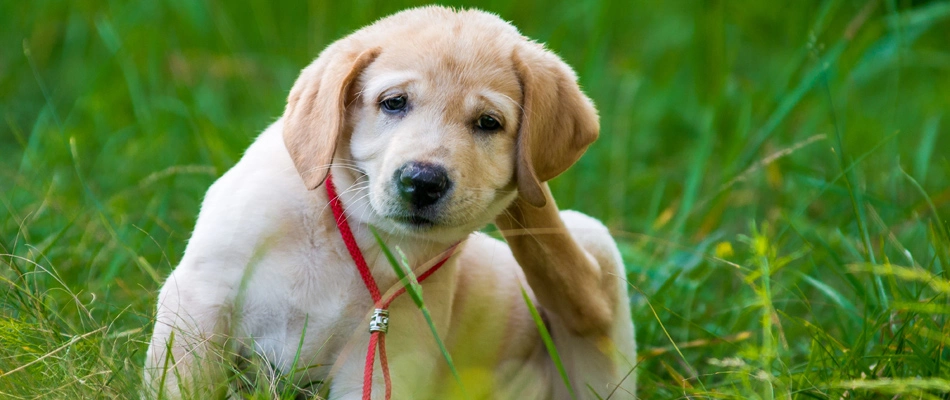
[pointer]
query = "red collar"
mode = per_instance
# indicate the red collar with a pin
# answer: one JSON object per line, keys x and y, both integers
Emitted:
{"x": 379, "y": 324}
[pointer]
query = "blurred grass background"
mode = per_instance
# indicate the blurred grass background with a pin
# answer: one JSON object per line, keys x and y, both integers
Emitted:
{"x": 776, "y": 175}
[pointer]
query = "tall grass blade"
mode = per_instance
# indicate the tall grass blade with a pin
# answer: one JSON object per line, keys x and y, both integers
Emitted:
{"x": 857, "y": 201}
{"x": 548, "y": 342}
{"x": 414, "y": 289}
{"x": 926, "y": 148}
{"x": 290, "y": 383}
{"x": 787, "y": 104}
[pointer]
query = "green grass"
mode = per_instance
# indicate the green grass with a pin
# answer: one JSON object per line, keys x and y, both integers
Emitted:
{"x": 776, "y": 175}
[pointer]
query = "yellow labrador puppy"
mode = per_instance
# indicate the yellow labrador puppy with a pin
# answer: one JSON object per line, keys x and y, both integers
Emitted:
{"x": 431, "y": 123}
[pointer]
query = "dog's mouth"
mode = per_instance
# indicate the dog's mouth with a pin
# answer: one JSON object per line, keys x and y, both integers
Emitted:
{"x": 415, "y": 221}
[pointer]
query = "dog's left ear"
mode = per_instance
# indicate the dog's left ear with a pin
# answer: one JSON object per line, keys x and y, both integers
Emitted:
{"x": 558, "y": 121}
{"x": 314, "y": 119}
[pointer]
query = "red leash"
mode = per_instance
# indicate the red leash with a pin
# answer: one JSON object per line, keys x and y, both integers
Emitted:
{"x": 379, "y": 324}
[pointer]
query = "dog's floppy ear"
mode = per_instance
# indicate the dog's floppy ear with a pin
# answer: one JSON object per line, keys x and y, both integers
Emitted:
{"x": 558, "y": 123}
{"x": 316, "y": 108}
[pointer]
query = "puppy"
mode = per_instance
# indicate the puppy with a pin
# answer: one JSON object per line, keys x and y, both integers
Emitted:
{"x": 431, "y": 124}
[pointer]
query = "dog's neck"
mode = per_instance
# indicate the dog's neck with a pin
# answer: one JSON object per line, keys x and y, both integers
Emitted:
{"x": 419, "y": 252}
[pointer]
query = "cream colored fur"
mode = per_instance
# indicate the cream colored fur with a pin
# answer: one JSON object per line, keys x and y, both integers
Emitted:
{"x": 267, "y": 277}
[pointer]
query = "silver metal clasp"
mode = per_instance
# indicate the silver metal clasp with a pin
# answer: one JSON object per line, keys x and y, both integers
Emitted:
{"x": 380, "y": 321}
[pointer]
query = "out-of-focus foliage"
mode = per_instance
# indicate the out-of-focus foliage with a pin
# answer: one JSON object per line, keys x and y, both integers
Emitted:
{"x": 775, "y": 172}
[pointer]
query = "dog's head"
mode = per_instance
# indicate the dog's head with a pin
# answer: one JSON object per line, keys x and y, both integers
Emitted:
{"x": 441, "y": 117}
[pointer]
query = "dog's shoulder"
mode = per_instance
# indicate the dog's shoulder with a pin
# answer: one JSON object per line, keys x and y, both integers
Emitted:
{"x": 263, "y": 182}
{"x": 265, "y": 166}
{"x": 258, "y": 201}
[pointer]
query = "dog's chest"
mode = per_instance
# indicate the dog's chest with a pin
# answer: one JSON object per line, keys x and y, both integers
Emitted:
{"x": 298, "y": 309}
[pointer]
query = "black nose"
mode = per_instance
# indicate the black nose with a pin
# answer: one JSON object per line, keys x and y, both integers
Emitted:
{"x": 421, "y": 184}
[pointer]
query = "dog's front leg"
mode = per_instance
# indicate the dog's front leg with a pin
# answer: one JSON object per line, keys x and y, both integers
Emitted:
{"x": 576, "y": 272}
{"x": 567, "y": 279}
{"x": 186, "y": 356}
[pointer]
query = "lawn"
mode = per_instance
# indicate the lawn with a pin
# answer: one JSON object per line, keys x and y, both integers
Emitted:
{"x": 771, "y": 170}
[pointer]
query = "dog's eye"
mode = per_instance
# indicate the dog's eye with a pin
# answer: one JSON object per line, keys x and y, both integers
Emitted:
{"x": 394, "y": 104}
{"x": 488, "y": 123}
